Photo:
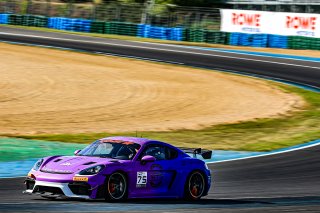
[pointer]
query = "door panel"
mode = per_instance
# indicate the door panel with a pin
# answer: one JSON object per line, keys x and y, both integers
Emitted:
{"x": 153, "y": 179}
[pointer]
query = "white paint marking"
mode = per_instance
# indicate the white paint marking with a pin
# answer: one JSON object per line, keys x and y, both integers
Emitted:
{"x": 268, "y": 154}
{"x": 212, "y": 49}
{"x": 158, "y": 49}
{"x": 136, "y": 57}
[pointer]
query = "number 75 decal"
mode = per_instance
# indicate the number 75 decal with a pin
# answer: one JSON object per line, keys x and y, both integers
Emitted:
{"x": 142, "y": 179}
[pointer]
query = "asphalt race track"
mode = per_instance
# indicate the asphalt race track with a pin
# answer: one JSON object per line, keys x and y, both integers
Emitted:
{"x": 304, "y": 72}
{"x": 287, "y": 182}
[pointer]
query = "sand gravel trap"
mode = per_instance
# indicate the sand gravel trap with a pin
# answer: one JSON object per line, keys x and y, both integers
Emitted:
{"x": 52, "y": 91}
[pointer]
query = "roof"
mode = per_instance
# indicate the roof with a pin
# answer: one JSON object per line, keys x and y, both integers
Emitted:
{"x": 140, "y": 141}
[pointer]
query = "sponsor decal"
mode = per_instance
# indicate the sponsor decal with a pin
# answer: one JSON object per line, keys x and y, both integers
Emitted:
{"x": 246, "y": 19}
{"x": 83, "y": 179}
{"x": 278, "y": 23}
{"x": 65, "y": 164}
{"x": 142, "y": 178}
{"x": 117, "y": 141}
{"x": 156, "y": 176}
{"x": 304, "y": 26}
{"x": 297, "y": 22}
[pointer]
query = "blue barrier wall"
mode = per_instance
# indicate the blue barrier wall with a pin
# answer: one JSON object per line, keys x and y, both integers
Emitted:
{"x": 165, "y": 33}
{"x": 4, "y": 18}
{"x": 71, "y": 24}
{"x": 278, "y": 41}
{"x": 253, "y": 40}
{"x": 175, "y": 34}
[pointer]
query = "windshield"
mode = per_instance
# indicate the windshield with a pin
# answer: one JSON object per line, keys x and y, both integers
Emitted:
{"x": 123, "y": 150}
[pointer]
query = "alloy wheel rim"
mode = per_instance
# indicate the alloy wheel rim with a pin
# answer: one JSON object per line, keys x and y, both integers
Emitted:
{"x": 117, "y": 186}
{"x": 196, "y": 185}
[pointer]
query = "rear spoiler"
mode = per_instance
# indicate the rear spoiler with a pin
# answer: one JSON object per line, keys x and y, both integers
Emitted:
{"x": 206, "y": 154}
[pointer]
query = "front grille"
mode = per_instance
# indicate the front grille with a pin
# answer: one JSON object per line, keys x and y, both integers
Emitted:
{"x": 51, "y": 189}
{"x": 79, "y": 188}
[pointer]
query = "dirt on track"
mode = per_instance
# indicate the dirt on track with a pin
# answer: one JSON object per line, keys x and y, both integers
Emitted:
{"x": 52, "y": 91}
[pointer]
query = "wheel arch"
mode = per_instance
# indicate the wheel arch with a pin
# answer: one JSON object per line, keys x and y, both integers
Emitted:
{"x": 126, "y": 179}
{"x": 205, "y": 180}
{"x": 102, "y": 188}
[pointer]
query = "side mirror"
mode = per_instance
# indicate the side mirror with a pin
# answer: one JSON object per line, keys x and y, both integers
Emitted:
{"x": 77, "y": 152}
{"x": 147, "y": 158}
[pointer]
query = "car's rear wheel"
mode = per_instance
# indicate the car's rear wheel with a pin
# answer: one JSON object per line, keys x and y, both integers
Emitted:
{"x": 195, "y": 186}
{"x": 116, "y": 187}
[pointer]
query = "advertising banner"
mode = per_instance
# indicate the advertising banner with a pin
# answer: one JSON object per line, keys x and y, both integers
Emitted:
{"x": 278, "y": 23}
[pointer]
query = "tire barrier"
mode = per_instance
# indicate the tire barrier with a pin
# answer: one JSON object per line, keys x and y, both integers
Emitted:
{"x": 28, "y": 20}
{"x": 70, "y": 24}
{"x": 156, "y": 32}
{"x": 97, "y": 27}
{"x": 195, "y": 35}
{"x": 252, "y": 40}
{"x": 15, "y": 19}
{"x": 207, "y": 36}
{"x": 217, "y": 37}
{"x": 121, "y": 28}
{"x": 278, "y": 41}
{"x": 300, "y": 42}
{"x": 117, "y": 28}
{"x": 164, "y": 33}
{"x": 4, "y": 18}
{"x": 176, "y": 34}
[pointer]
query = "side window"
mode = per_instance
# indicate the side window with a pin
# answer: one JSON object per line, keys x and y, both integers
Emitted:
{"x": 157, "y": 151}
{"x": 160, "y": 152}
{"x": 171, "y": 153}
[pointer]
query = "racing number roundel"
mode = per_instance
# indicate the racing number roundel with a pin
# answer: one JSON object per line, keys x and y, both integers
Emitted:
{"x": 142, "y": 179}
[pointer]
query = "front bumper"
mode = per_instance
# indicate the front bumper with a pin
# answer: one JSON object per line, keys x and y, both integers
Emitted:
{"x": 65, "y": 186}
{"x": 53, "y": 189}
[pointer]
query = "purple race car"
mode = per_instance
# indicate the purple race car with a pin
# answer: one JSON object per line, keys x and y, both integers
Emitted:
{"x": 117, "y": 168}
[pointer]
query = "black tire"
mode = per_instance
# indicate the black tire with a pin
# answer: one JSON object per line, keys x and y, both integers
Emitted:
{"x": 116, "y": 187}
{"x": 195, "y": 186}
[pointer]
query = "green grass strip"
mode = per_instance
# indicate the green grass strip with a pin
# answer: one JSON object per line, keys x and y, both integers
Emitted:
{"x": 15, "y": 149}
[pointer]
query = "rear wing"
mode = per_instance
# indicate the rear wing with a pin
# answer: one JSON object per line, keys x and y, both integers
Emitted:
{"x": 205, "y": 154}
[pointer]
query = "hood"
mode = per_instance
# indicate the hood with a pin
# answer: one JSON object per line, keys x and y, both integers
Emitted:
{"x": 72, "y": 164}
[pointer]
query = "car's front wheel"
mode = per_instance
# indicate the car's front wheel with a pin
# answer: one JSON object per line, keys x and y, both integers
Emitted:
{"x": 117, "y": 187}
{"x": 195, "y": 186}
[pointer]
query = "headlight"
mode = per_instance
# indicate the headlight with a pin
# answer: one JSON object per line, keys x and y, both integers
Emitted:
{"x": 37, "y": 164}
{"x": 92, "y": 170}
